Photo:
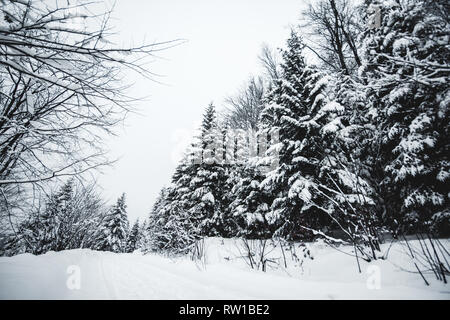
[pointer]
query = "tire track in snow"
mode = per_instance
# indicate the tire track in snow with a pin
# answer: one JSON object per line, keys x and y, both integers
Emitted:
{"x": 107, "y": 280}
{"x": 155, "y": 282}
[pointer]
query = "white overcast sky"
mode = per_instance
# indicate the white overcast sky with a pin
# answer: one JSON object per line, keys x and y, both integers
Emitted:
{"x": 224, "y": 38}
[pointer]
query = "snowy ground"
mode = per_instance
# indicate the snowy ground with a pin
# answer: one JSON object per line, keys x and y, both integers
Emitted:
{"x": 103, "y": 275}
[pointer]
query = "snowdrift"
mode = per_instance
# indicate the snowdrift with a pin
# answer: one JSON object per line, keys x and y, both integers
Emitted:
{"x": 222, "y": 274}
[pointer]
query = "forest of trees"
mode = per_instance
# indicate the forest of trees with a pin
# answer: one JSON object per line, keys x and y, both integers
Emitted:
{"x": 350, "y": 147}
{"x": 362, "y": 137}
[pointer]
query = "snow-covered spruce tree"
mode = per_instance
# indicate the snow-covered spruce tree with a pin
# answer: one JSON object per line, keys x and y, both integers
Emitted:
{"x": 247, "y": 204}
{"x": 193, "y": 205}
{"x": 144, "y": 238}
{"x": 207, "y": 186}
{"x": 248, "y": 210}
{"x": 133, "y": 237}
{"x": 113, "y": 231}
{"x": 288, "y": 110}
{"x": 335, "y": 159}
{"x": 172, "y": 226}
{"x": 157, "y": 220}
{"x": 171, "y": 229}
{"x": 352, "y": 166}
{"x": 236, "y": 156}
{"x": 406, "y": 67}
{"x": 230, "y": 175}
{"x": 326, "y": 181}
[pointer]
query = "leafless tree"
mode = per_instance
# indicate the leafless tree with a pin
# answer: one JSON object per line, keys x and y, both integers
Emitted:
{"x": 61, "y": 87}
{"x": 269, "y": 59}
{"x": 332, "y": 28}
{"x": 243, "y": 109}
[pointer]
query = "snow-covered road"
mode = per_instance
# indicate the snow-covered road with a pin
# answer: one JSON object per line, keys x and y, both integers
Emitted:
{"x": 104, "y": 275}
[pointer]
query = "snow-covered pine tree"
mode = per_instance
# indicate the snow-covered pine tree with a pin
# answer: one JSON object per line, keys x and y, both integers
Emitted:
{"x": 248, "y": 210}
{"x": 192, "y": 206}
{"x": 157, "y": 219}
{"x": 406, "y": 67}
{"x": 235, "y": 142}
{"x": 208, "y": 183}
{"x": 113, "y": 231}
{"x": 231, "y": 165}
{"x": 350, "y": 166}
{"x": 170, "y": 228}
{"x": 144, "y": 240}
{"x": 291, "y": 104}
{"x": 133, "y": 237}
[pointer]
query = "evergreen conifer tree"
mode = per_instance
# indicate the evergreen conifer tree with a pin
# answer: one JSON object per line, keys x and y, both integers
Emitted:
{"x": 133, "y": 237}
{"x": 293, "y": 108}
{"x": 407, "y": 75}
{"x": 113, "y": 232}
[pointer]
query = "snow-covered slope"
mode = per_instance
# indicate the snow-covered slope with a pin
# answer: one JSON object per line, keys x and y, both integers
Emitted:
{"x": 104, "y": 275}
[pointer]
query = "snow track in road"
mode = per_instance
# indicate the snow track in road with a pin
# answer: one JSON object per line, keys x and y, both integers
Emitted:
{"x": 135, "y": 279}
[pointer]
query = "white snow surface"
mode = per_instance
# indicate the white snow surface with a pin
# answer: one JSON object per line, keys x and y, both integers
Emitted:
{"x": 223, "y": 275}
